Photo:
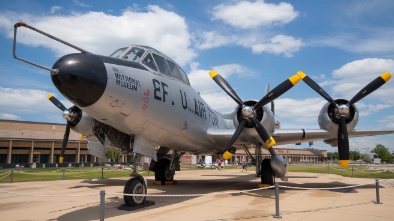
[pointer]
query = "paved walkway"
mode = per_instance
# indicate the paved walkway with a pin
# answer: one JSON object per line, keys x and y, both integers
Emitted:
{"x": 345, "y": 204}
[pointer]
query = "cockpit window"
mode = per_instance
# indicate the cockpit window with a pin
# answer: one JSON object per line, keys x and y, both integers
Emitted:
{"x": 161, "y": 63}
{"x": 174, "y": 70}
{"x": 185, "y": 78}
{"x": 134, "y": 54}
{"x": 118, "y": 52}
{"x": 148, "y": 61}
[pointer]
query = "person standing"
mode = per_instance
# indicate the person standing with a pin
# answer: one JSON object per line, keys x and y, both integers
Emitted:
{"x": 219, "y": 162}
{"x": 236, "y": 162}
{"x": 244, "y": 166}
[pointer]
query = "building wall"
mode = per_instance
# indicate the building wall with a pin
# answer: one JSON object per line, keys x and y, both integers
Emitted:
{"x": 33, "y": 142}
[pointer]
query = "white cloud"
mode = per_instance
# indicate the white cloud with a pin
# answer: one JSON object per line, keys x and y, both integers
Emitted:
{"x": 55, "y": 9}
{"x": 354, "y": 76}
{"x": 368, "y": 109}
{"x": 279, "y": 44}
{"x": 212, "y": 40}
{"x": 8, "y": 116}
{"x": 247, "y": 15}
{"x": 305, "y": 111}
{"x": 79, "y": 3}
{"x": 209, "y": 90}
{"x": 374, "y": 41}
{"x": 16, "y": 102}
{"x": 103, "y": 33}
{"x": 387, "y": 122}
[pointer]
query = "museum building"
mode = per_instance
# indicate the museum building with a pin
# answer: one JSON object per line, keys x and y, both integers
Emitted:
{"x": 25, "y": 142}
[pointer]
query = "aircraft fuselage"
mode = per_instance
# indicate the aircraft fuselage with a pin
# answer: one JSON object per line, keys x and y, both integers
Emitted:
{"x": 137, "y": 101}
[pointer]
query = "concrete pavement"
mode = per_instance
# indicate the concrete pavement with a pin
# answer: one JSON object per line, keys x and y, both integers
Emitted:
{"x": 79, "y": 199}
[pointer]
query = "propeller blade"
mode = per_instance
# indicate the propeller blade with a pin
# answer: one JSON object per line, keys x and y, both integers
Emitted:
{"x": 225, "y": 86}
{"x": 65, "y": 140}
{"x": 278, "y": 91}
{"x": 311, "y": 83}
{"x": 343, "y": 143}
{"x": 371, "y": 87}
{"x": 264, "y": 135}
{"x": 235, "y": 135}
{"x": 56, "y": 102}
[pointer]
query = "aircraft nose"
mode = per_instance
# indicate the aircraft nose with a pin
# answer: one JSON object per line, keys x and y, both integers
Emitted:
{"x": 81, "y": 78}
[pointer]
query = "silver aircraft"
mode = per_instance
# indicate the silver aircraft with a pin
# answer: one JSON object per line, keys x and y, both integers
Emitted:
{"x": 139, "y": 100}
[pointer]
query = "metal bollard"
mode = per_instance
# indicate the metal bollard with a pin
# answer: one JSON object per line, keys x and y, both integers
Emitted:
{"x": 102, "y": 171}
{"x": 352, "y": 171}
{"x": 377, "y": 193}
{"x": 63, "y": 174}
{"x": 277, "y": 201}
{"x": 102, "y": 204}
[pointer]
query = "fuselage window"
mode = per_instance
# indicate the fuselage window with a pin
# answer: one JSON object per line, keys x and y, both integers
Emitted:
{"x": 118, "y": 52}
{"x": 174, "y": 70}
{"x": 161, "y": 63}
{"x": 134, "y": 54}
{"x": 148, "y": 61}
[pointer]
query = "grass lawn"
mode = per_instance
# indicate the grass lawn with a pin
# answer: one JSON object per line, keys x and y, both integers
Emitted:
{"x": 67, "y": 173}
{"x": 70, "y": 173}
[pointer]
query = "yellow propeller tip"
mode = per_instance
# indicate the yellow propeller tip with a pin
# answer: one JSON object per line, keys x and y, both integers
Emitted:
{"x": 301, "y": 74}
{"x": 344, "y": 163}
{"x": 270, "y": 142}
{"x": 386, "y": 76}
{"x": 227, "y": 155}
{"x": 49, "y": 96}
{"x": 295, "y": 79}
{"x": 213, "y": 73}
{"x": 60, "y": 159}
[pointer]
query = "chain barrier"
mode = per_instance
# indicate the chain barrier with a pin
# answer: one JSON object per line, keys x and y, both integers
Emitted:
{"x": 7, "y": 174}
{"x": 328, "y": 188}
{"x": 27, "y": 173}
{"x": 199, "y": 194}
{"x": 47, "y": 195}
{"x": 4, "y": 173}
{"x": 191, "y": 195}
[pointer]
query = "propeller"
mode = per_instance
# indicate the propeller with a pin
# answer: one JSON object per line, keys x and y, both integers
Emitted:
{"x": 342, "y": 110}
{"x": 249, "y": 112}
{"x": 69, "y": 115}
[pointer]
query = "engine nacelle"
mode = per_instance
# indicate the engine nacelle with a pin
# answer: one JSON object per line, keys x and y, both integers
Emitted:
{"x": 82, "y": 122}
{"x": 329, "y": 120}
{"x": 264, "y": 115}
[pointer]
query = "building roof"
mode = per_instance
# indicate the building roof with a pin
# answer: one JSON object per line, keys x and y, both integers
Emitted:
{"x": 12, "y": 129}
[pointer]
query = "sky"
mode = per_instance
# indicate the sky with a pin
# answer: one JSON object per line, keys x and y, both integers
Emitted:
{"x": 342, "y": 45}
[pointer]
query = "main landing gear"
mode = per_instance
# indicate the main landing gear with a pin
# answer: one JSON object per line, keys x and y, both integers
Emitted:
{"x": 168, "y": 163}
{"x": 163, "y": 171}
{"x": 267, "y": 175}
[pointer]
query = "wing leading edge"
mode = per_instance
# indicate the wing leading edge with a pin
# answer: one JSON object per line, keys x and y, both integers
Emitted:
{"x": 221, "y": 136}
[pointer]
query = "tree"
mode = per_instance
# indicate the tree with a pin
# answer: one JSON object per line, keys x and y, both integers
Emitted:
{"x": 354, "y": 155}
{"x": 112, "y": 153}
{"x": 367, "y": 158}
{"x": 383, "y": 153}
{"x": 332, "y": 156}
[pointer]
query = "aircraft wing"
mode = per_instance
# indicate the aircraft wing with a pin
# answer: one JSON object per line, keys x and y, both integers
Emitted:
{"x": 282, "y": 136}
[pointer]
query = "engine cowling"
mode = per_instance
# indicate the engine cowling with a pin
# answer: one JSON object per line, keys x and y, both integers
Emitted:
{"x": 81, "y": 122}
{"x": 329, "y": 120}
{"x": 264, "y": 115}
